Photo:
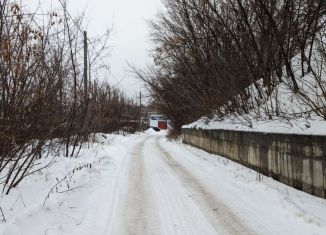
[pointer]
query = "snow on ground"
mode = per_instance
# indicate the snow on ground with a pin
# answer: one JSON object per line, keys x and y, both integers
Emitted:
{"x": 268, "y": 206}
{"x": 24, "y": 210}
{"x": 282, "y": 110}
{"x": 145, "y": 184}
{"x": 295, "y": 126}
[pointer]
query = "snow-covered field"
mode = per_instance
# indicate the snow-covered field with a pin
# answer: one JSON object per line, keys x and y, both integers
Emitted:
{"x": 145, "y": 184}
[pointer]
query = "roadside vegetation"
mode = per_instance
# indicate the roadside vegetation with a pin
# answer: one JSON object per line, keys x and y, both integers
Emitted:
{"x": 46, "y": 106}
{"x": 254, "y": 59}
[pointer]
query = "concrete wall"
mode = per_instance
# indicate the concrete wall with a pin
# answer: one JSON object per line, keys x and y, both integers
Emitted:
{"x": 296, "y": 160}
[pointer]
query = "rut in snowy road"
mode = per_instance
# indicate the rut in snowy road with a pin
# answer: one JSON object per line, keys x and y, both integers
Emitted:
{"x": 163, "y": 197}
{"x": 219, "y": 215}
{"x": 139, "y": 213}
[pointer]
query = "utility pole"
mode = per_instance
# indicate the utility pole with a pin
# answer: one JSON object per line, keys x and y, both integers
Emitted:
{"x": 85, "y": 67}
{"x": 140, "y": 121}
{"x": 1, "y": 102}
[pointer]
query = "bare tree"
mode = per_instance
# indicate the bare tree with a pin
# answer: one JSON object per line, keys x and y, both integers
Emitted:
{"x": 211, "y": 55}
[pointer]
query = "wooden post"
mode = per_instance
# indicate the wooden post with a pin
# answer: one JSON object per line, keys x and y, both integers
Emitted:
{"x": 85, "y": 67}
{"x": 140, "y": 121}
{"x": 3, "y": 216}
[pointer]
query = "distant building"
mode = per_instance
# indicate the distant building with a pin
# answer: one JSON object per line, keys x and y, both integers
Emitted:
{"x": 158, "y": 120}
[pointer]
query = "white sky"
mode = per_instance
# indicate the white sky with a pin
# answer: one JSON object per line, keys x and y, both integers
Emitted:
{"x": 129, "y": 41}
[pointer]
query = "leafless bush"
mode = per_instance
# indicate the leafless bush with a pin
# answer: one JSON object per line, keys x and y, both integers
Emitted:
{"x": 43, "y": 102}
{"x": 211, "y": 55}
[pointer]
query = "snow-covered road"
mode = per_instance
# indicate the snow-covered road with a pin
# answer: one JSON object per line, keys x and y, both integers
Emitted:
{"x": 155, "y": 186}
{"x": 163, "y": 197}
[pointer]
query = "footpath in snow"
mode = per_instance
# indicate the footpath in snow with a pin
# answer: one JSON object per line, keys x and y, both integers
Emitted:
{"x": 145, "y": 184}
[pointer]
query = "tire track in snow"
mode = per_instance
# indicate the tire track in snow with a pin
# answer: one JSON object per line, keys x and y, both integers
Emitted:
{"x": 215, "y": 210}
{"x": 177, "y": 213}
{"x": 138, "y": 217}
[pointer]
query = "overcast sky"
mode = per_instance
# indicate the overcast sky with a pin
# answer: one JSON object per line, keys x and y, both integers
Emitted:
{"x": 129, "y": 40}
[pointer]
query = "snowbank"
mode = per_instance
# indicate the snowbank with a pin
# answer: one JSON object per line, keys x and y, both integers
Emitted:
{"x": 51, "y": 196}
{"x": 298, "y": 126}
